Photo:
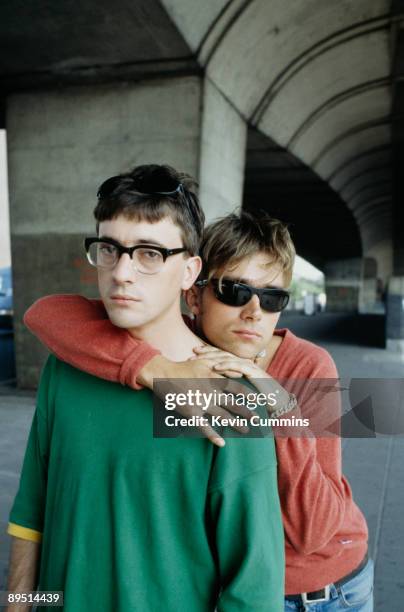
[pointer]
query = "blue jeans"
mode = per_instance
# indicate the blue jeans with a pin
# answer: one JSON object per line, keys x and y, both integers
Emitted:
{"x": 355, "y": 595}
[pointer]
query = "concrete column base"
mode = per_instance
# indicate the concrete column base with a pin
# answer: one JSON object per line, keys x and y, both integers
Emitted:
{"x": 395, "y": 346}
{"x": 395, "y": 314}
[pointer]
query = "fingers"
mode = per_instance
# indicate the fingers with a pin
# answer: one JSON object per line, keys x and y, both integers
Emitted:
{"x": 211, "y": 356}
{"x": 200, "y": 368}
{"x": 204, "y": 347}
{"x": 234, "y": 366}
{"x": 240, "y": 410}
{"x": 231, "y": 374}
{"x": 210, "y": 352}
{"x": 212, "y": 435}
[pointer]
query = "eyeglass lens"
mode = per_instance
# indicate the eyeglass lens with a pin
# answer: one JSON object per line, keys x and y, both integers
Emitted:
{"x": 105, "y": 255}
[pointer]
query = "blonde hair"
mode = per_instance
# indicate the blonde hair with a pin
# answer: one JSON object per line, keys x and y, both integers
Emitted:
{"x": 229, "y": 240}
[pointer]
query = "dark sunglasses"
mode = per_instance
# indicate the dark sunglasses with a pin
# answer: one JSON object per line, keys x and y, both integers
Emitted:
{"x": 232, "y": 293}
{"x": 147, "y": 187}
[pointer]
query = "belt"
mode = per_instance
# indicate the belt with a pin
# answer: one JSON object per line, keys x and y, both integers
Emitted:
{"x": 324, "y": 593}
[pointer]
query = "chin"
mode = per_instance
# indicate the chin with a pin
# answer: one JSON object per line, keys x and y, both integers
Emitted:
{"x": 240, "y": 350}
{"x": 245, "y": 352}
{"x": 125, "y": 321}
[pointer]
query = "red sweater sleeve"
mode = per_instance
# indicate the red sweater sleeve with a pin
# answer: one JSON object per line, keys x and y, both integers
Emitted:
{"x": 78, "y": 331}
{"x": 314, "y": 494}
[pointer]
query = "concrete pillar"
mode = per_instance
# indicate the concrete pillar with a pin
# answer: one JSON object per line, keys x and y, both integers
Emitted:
{"x": 395, "y": 314}
{"x": 395, "y": 294}
{"x": 224, "y": 139}
{"x": 342, "y": 284}
{"x": 63, "y": 144}
{"x": 368, "y": 285}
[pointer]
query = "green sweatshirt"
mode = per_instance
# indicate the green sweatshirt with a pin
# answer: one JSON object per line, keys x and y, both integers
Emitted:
{"x": 129, "y": 522}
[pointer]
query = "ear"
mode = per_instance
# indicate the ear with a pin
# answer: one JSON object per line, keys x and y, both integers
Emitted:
{"x": 192, "y": 299}
{"x": 192, "y": 269}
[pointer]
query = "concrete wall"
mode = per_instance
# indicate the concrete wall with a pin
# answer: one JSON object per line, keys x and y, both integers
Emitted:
{"x": 342, "y": 284}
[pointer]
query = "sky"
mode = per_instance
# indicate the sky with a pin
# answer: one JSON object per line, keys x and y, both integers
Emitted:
{"x": 302, "y": 269}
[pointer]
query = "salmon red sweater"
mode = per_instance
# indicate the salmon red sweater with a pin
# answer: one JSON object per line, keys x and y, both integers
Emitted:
{"x": 325, "y": 532}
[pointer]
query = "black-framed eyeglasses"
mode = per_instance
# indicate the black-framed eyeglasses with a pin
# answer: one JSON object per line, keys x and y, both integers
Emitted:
{"x": 165, "y": 186}
{"x": 146, "y": 258}
{"x": 233, "y": 293}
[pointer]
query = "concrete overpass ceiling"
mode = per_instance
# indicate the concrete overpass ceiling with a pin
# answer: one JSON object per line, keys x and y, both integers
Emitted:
{"x": 326, "y": 83}
{"x": 271, "y": 42}
{"x": 316, "y": 77}
{"x": 317, "y": 134}
{"x": 61, "y": 42}
{"x": 369, "y": 194}
{"x": 365, "y": 138}
{"x": 280, "y": 184}
{"x": 356, "y": 164}
{"x": 301, "y": 73}
{"x": 382, "y": 171}
{"x": 381, "y": 212}
{"x": 198, "y": 20}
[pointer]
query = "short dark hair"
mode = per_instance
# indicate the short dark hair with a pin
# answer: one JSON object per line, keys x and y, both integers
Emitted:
{"x": 229, "y": 240}
{"x": 138, "y": 195}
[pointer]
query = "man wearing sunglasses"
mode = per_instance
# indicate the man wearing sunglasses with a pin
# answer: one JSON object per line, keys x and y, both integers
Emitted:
{"x": 247, "y": 266}
{"x": 122, "y": 520}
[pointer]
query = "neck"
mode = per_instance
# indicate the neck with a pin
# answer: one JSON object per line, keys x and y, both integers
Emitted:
{"x": 273, "y": 345}
{"x": 169, "y": 334}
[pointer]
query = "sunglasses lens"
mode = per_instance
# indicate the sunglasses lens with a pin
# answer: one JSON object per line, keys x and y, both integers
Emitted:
{"x": 274, "y": 302}
{"x": 242, "y": 295}
{"x": 235, "y": 294}
{"x": 224, "y": 292}
{"x": 231, "y": 293}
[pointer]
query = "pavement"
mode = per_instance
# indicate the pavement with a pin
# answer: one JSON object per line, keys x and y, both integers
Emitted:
{"x": 374, "y": 467}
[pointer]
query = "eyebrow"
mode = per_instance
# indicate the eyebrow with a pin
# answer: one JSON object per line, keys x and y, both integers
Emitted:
{"x": 151, "y": 241}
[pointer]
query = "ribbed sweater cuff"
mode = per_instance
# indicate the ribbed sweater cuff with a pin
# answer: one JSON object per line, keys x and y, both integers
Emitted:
{"x": 134, "y": 362}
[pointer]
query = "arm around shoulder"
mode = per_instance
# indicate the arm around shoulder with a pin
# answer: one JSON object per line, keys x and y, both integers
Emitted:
{"x": 79, "y": 332}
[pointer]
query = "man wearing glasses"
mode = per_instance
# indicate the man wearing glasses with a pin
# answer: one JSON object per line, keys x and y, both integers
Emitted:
{"x": 247, "y": 263}
{"x": 117, "y": 519}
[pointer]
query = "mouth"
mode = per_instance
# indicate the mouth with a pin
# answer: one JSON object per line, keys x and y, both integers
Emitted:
{"x": 247, "y": 334}
{"x": 123, "y": 299}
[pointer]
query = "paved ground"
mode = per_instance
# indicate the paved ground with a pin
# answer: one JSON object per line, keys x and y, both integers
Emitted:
{"x": 374, "y": 467}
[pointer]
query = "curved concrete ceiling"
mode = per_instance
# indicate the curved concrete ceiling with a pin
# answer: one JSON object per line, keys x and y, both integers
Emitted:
{"x": 277, "y": 182}
{"x": 316, "y": 78}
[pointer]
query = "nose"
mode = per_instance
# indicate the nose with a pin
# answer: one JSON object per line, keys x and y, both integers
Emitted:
{"x": 124, "y": 272}
{"x": 252, "y": 310}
